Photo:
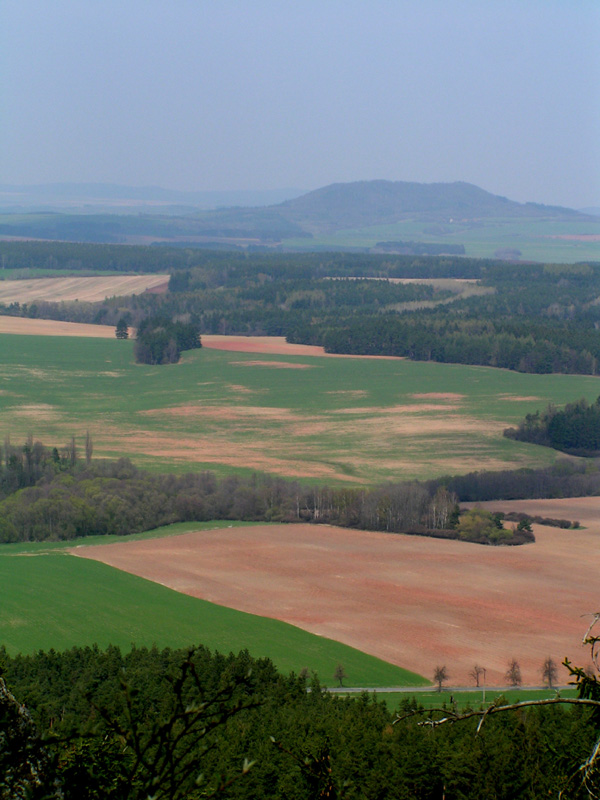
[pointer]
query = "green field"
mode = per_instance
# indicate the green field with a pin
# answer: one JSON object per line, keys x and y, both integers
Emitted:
{"x": 341, "y": 420}
{"x": 175, "y": 529}
{"x": 49, "y": 599}
{"x": 534, "y": 238}
{"x": 430, "y": 699}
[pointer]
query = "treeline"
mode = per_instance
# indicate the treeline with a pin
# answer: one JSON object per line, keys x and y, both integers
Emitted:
{"x": 575, "y": 429}
{"x": 456, "y": 340}
{"x": 88, "y": 723}
{"x": 562, "y": 479}
{"x": 160, "y": 340}
{"x": 117, "y": 498}
{"x": 47, "y": 493}
{"x": 67, "y": 499}
{"x": 237, "y": 266}
{"x": 25, "y": 465}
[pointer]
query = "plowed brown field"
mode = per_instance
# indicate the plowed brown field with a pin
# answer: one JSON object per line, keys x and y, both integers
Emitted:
{"x": 412, "y": 601}
{"x": 51, "y": 327}
{"x": 586, "y": 510}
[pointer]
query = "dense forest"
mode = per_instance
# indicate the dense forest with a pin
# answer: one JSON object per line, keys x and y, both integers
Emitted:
{"x": 539, "y": 318}
{"x": 87, "y": 724}
{"x": 575, "y": 429}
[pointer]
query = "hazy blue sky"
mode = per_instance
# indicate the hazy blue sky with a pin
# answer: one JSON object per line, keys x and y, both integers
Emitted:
{"x": 262, "y": 94}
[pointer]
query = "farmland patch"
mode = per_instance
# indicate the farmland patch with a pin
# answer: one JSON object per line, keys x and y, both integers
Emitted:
{"x": 210, "y": 411}
{"x": 50, "y": 327}
{"x": 438, "y": 396}
{"x": 90, "y": 290}
{"x": 100, "y": 605}
{"x": 404, "y": 599}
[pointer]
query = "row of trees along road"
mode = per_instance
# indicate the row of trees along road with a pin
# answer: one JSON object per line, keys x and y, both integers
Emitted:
{"x": 513, "y": 677}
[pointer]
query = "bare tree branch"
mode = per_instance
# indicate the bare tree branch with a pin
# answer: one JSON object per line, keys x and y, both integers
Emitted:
{"x": 452, "y": 716}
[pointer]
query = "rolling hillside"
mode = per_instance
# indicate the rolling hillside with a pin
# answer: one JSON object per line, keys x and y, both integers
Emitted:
{"x": 366, "y": 203}
{"x": 364, "y": 216}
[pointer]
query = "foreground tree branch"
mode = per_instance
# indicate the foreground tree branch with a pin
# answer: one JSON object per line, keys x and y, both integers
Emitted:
{"x": 587, "y": 683}
{"x": 483, "y": 714}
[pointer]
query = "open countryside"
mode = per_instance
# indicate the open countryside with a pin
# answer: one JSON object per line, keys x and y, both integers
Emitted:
{"x": 128, "y": 610}
{"x": 409, "y": 600}
{"x": 292, "y": 416}
{"x": 399, "y": 598}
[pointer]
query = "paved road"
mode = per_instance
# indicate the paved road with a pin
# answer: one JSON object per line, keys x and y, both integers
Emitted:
{"x": 446, "y": 689}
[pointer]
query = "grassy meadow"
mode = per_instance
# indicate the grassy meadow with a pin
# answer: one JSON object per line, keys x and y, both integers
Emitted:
{"x": 50, "y": 599}
{"x": 343, "y": 420}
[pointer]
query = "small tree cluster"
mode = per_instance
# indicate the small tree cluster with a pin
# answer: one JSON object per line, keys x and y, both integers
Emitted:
{"x": 161, "y": 340}
{"x": 479, "y": 525}
{"x": 122, "y": 329}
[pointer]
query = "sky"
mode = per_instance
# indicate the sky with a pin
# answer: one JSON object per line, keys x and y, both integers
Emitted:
{"x": 221, "y": 95}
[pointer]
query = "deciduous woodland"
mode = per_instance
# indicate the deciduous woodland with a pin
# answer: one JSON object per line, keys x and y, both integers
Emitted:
{"x": 50, "y": 495}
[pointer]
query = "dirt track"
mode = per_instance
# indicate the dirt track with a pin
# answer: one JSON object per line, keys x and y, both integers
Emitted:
{"x": 413, "y": 601}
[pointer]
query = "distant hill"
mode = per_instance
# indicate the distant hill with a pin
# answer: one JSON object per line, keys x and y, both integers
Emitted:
{"x": 366, "y": 216}
{"x": 365, "y": 203}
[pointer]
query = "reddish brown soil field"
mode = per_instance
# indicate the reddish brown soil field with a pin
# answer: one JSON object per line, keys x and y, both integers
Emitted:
{"x": 260, "y": 344}
{"x": 586, "y": 510}
{"x": 275, "y": 345}
{"x": 50, "y": 327}
{"x": 413, "y": 601}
